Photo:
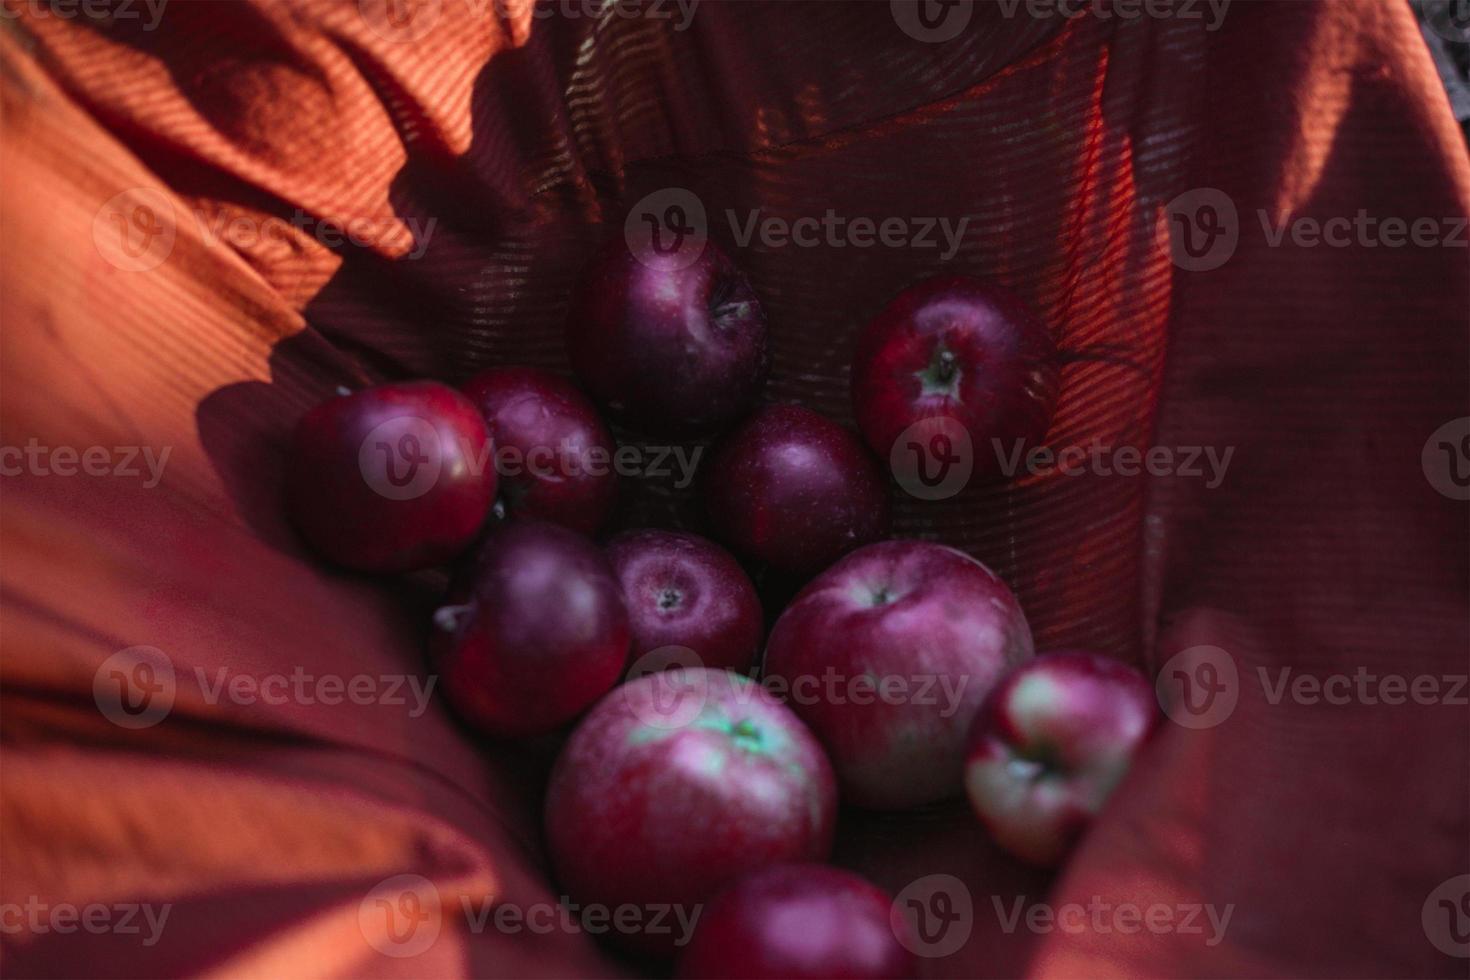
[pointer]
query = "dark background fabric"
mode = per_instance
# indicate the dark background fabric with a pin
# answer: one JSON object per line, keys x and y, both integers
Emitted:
{"x": 526, "y": 139}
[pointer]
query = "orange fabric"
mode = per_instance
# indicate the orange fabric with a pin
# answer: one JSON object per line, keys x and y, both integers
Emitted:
{"x": 482, "y": 153}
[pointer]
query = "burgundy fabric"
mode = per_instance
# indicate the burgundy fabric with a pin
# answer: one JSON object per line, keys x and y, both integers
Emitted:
{"x": 526, "y": 139}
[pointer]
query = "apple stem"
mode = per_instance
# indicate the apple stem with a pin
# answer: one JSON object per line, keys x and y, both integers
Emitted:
{"x": 448, "y": 618}
{"x": 940, "y": 377}
{"x": 944, "y": 366}
{"x": 746, "y": 735}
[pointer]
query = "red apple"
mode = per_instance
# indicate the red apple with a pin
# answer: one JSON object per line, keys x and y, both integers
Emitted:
{"x": 552, "y": 451}
{"x": 1050, "y": 744}
{"x": 534, "y": 632}
{"x": 796, "y": 921}
{"x": 667, "y": 344}
{"x": 796, "y": 490}
{"x": 675, "y": 785}
{"x": 686, "y": 592}
{"x": 887, "y": 655}
{"x": 391, "y": 478}
{"x": 954, "y": 347}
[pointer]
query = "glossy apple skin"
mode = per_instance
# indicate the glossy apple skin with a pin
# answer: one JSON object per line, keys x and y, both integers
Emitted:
{"x": 686, "y": 591}
{"x": 1050, "y": 744}
{"x": 351, "y": 451}
{"x": 675, "y": 785}
{"x": 669, "y": 349}
{"x": 533, "y": 633}
{"x": 958, "y": 347}
{"x": 794, "y": 489}
{"x": 535, "y": 412}
{"x": 794, "y": 922}
{"x": 900, "y": 612}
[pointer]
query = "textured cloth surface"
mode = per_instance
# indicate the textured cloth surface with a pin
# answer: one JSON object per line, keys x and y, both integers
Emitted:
{"x": 173, "y": 278}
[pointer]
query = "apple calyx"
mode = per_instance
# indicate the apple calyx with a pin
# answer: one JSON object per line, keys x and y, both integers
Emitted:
{"x": 942, "y": 375}
{"x": 745, "y": 734}
{"x": 449, "y": 618}
{"x": 1032, "y": 765}
{"x": 728, "y": 302}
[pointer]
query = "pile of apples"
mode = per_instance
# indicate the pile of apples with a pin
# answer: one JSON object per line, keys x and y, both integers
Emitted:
{"x": 900, "y": 675}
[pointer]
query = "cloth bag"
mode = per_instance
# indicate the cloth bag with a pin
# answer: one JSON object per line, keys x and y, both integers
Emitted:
{"x": 214, "y": 213}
